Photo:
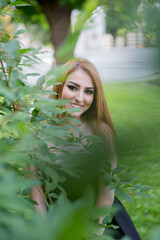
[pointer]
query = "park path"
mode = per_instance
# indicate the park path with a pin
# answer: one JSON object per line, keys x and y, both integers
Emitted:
{"x": 114, "y": 65}
{"x": 126, "y": 64}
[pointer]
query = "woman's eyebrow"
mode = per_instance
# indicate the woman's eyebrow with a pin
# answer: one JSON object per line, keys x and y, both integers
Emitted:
{"x": 79, "y": 85}
{"x": 74, "y": 83}
{"x": 89, "y": 87}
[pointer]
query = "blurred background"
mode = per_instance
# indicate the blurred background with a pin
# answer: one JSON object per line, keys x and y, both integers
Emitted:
{"x": 122, "y": 39}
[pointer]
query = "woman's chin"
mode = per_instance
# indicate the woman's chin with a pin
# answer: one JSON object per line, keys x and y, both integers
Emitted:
{"x": 76, "y": 115}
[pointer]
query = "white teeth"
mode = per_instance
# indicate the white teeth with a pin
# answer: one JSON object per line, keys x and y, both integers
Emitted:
{"x": 77, "y": 106}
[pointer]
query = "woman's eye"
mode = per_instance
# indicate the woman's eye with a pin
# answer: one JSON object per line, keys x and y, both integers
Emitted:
{"x": 71, "y": 87}
{"x": 89, "y": 92}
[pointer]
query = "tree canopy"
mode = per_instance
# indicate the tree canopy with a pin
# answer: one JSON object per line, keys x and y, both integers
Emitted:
{"x": 121, "y": 14}
{"x": 49, "y": 21}
{"x": 133, "y": 15}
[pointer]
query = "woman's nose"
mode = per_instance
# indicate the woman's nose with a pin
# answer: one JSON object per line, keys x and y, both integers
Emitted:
{"x": 79, "y": 96}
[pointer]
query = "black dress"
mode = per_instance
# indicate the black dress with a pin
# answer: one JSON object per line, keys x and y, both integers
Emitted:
{"x": 90, "y": 174}
{"x": 124, "y": 222}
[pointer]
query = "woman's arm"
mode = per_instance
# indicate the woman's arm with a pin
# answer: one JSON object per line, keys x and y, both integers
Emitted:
{"x": 106, "y": 196}
{"x": 37, "y": 193}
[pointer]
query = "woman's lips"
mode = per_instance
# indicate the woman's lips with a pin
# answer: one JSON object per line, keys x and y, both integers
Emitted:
{"x": 75, "y": 105}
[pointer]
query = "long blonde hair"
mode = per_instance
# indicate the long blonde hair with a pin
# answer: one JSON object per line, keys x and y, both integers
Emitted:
{"x": 97, "y": 116}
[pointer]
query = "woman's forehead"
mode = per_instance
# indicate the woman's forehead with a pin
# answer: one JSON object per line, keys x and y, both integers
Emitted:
{"x": 81, "y": 78}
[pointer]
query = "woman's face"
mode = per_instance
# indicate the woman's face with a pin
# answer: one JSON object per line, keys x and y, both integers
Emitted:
{"x": 79, "y": 89}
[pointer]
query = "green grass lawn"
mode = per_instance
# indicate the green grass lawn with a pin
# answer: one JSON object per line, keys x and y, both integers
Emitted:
{"x": 135, "y": 109}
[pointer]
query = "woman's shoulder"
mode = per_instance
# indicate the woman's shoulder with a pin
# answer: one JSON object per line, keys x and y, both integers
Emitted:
{"x": 109, "y": 141}
{"x": 85, "y": 128}
{"x": 98, "y": 129}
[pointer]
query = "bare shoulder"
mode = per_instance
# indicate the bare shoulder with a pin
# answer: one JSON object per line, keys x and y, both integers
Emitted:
{"x": 84, "y": 127}
{"x": 108, "y": 135}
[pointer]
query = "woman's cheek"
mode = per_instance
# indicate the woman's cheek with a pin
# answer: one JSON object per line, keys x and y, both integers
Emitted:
{"x": 90, "y": 99}
{"x": 67, "y": 94}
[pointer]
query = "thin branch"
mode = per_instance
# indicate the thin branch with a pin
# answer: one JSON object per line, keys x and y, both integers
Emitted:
{"x": 3, "y": 69}
{"x": 42, "y": 195}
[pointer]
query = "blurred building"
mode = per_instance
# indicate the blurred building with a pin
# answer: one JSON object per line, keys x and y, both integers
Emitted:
{"x": 94, "y": 36}
{"x": 119, "y": 59}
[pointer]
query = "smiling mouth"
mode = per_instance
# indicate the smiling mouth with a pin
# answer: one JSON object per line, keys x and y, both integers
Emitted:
{"x": 74, "y": 105}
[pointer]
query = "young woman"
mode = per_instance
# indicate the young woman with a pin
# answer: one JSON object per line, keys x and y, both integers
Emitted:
{"x": 81, "y": 85}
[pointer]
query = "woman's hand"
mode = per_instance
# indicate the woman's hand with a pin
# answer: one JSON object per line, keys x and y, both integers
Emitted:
{"x": 105, "y": 198}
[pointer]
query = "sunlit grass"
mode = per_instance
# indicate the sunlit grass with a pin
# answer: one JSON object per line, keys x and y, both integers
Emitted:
{"x": 135, "y": 109}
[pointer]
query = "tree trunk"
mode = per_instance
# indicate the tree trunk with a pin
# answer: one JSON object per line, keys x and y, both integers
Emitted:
{"x": 113, "y": 31}
{"x": 58, "y": 18}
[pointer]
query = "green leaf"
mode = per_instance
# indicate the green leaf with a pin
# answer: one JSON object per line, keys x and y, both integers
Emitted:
{"x": 120, "y": 193}
{"x": 19, "y": 4}
{"x": 32, "y": 74}
{"x": 100, "y": 211}
{"x": 107, "y": 179}
{"x": 31, "y": 201}
{"x": 22, "y": 116}
{"x": 112, "y": 226}
{"x": 12, "y": 48}
{"x": 53, "y": 195}
{"x": 55, "y": 76}
{"x": 41, "y": 80}
{"x": 21, "y": 31}
{"x": 118, "y": 169}
{"x": 145, "y": 188}
{"x": 25, "y": 50}
{"x": 74, "y": 120}
{"x": 14, "y": 17}
{"x": 65, "y": 51}
{"x": 7, "y": 93}
{"x": 94, "y": 138}
{"x": 142, "y": 194}
{"x": 3, "y": 3}
{"x": 112, "y": 185}
{"x": 73, "y": 110}
{"x": 49, "y": 92}
{"x": 71, "y": 172}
